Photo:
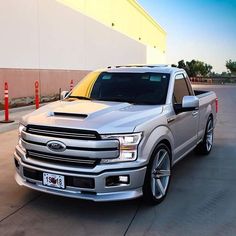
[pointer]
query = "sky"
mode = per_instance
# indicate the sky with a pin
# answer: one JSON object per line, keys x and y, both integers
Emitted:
{"x": 197, "y": 29}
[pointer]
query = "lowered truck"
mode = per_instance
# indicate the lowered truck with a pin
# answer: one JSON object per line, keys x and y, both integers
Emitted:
{"x": 116, "y": 135}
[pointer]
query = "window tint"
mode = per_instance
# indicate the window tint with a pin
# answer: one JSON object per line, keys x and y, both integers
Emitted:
{"x": 180, "y": 89}
{"x": 138, "y": 88}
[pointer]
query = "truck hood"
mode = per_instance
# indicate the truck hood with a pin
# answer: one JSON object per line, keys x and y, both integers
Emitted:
{"x": 100, "y": 116}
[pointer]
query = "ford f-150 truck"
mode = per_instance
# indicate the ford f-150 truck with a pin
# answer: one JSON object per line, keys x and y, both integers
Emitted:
{"x": 116, "y": 135}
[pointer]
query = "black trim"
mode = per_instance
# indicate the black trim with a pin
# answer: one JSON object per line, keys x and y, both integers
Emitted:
{"x": 179, "y": 108}
{"x": 61, "y": 130}
{"x": 33, "y": 174}
{"x": 72, "y": 162}
{"x": 83, "y": 116}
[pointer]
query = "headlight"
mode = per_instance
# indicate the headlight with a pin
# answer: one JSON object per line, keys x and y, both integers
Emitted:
{"x": 128, "y": 146}
{"x": 21, "y": 128}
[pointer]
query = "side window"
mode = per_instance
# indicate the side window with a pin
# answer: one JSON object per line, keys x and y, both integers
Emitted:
{"x": 181, "y": 89}
{"x": 189, "y": 86}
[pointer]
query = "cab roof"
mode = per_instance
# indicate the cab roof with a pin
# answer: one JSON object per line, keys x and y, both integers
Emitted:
{"x": 143, "y": 68}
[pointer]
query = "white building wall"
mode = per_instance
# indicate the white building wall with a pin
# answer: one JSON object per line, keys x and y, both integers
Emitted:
{"x": 45, "y": 34}
{"x": 19, "y": 34}
{"x": 154, "y": 56}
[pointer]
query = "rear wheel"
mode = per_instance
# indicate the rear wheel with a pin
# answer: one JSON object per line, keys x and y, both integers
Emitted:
{"x": 206, "y": 145}
{"x": 158, "y": 175}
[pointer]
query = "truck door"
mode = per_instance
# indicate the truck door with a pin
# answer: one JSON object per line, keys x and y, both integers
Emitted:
{"x": 184, "y": 127}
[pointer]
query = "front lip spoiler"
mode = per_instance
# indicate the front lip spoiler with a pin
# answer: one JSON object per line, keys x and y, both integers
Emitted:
{"x": 98, "y": 197}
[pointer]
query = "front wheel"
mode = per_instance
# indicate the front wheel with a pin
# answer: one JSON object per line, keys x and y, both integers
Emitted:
{"x": 158, "y": 175}
{"x": 206, "y": 145}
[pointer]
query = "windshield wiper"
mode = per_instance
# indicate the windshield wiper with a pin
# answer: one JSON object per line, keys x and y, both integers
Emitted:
{"x": 145, "y": 103}
{"x": 80, "y": 97}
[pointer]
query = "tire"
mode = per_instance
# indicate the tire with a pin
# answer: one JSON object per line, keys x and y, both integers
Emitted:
{"x": 205, "y": 146}
{"x": 158, "y": 175}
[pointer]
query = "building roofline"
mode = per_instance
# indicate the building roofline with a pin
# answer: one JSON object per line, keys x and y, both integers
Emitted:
{"x": 135, "y": 4}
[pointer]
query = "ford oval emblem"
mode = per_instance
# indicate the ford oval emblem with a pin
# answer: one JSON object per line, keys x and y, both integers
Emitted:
{"x": 56, "y": 146}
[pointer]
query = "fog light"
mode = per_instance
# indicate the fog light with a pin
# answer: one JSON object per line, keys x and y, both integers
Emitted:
{"x": 112, "y": 181}
{"x": 124, "y": 179}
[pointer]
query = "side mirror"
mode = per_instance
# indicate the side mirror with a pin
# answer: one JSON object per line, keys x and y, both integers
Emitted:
{"x": 189, "y": 103}
{"x": 64, "y": 94}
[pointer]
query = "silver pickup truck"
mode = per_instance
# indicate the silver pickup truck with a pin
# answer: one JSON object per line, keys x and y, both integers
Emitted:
{"x": 116, "y": 135}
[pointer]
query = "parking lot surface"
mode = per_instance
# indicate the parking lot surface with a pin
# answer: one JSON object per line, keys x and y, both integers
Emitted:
{"x": 201, "y": 198}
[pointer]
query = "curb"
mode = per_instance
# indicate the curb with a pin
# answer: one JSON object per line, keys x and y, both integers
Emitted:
{"x": 24, "y": 108}
{"x": 19, "y": 109}
{"x": 9, "y": 127}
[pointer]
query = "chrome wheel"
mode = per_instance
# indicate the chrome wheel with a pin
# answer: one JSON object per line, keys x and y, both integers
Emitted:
{"x": 160, "y": 173}
{"x": 209, "y": 135}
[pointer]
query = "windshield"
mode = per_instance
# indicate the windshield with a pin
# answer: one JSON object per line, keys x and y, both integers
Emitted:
{"x": 137, "y": 88}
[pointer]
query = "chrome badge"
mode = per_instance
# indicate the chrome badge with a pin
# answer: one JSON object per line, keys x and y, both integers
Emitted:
{"x": 56, "y": 146}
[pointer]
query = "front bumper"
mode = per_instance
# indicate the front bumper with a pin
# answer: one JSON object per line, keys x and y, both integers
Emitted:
{"x": 100, "y": 192}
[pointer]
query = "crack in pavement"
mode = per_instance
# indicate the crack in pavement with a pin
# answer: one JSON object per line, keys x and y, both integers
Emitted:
{"x": 130, "y": 223}
{"x": 33, "y": 199}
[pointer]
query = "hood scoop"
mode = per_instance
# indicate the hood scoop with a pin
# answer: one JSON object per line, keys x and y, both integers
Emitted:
{"x": 73, "y": 115}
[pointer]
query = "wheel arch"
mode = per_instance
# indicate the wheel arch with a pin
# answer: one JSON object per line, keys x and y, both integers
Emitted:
{"x": 211, "y": 115}
{"x": 167, "y": 143}
{"x": 161, "y": 134}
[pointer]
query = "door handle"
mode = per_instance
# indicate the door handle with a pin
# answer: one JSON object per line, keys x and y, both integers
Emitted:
{"x": 194, "y": 113}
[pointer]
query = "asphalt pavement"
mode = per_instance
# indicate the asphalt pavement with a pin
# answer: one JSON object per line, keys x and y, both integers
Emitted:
{"x": 200, "y": 201}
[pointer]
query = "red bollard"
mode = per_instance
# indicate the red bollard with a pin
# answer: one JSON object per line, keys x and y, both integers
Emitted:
{"x": 217, "y": 105}
{"x": 36, "y": 85}
{"x": 6, "y": 105}
{"x": 71, "y": 84}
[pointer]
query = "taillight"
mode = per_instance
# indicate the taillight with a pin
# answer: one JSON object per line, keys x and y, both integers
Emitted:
{"x": 217, "y": 106}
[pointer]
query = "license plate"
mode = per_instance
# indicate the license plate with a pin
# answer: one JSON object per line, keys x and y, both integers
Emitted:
{"x": 53, "y": 180}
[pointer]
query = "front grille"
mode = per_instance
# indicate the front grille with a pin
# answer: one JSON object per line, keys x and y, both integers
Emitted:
{"x": 57, "y": 159}
{"x": 58, "y": 132}
{"x": 73, "y": 181}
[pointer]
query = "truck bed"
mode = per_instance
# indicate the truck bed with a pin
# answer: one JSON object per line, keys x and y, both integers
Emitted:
{"x": 202, "y": 93}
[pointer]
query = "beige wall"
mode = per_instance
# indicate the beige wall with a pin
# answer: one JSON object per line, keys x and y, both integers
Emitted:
{"x": 21, "y": 81}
